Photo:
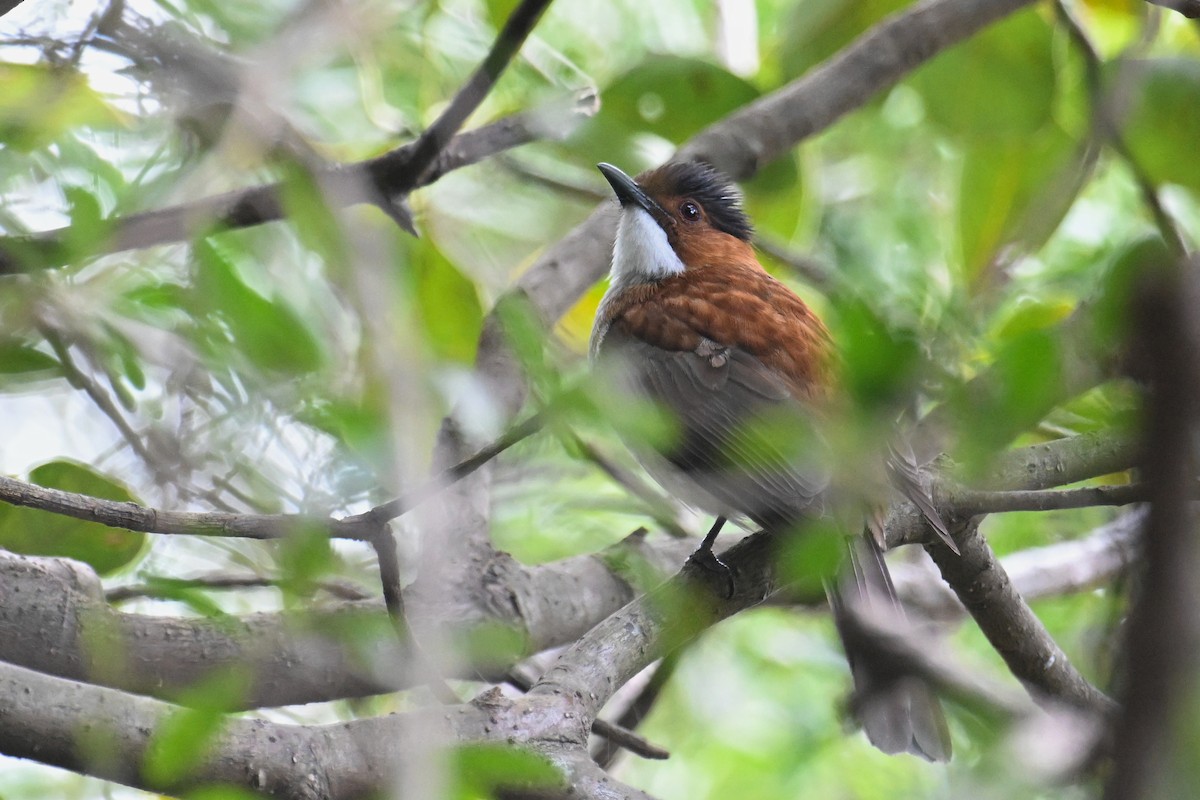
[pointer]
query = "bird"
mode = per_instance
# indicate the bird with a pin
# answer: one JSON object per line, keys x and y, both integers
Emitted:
{"x": 693, "y": 322}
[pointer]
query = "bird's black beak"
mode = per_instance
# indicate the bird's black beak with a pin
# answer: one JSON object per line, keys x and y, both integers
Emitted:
{"x": 630, "y": 194}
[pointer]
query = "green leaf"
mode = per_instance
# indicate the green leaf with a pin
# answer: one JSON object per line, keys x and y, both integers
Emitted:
{"x": 1162, "y": 128}
{"x": 1031, "y": 314}
{"x": 1023, "y": 384}
{"x": 998, "y": 84}
{"x": 668, "y": 97}
{"x": 311, "y": 218}
{"x": 448, "y": 302}
{"x": 481, "y": 769}
{"x": 811, "y": 559}
{"x": 268, "y": 332}
{"x": 498, "y": 11}
{"x": 816, "y": 29}
{"x": 183, "y": 739}
{"x": 88, "y": 228}
{"x": 22, "y": 361}
{"x": 34, "y": 532}
{"x": 1132, "y": 263}
{"x": 305, "y": 556}
{"x": 40, "y": 102}
{"x": 1014, "y": 190}
{"x": 878, "y": 362}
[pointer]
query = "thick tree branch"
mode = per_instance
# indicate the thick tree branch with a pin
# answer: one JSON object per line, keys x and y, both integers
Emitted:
{"x": 655, "y": 624}
{"x": 1011, "y": 627}
{"x": 61, "y": 723}
{"x": 306, "y": 658}
{"x": 1103, "y": 555}
{"x": 1162, "y": 637}
{"x": 762, "y": 131}
{"x": 302, "y": 658}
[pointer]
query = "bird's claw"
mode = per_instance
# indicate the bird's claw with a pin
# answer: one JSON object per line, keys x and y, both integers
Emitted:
{"x": 708, "y": 561}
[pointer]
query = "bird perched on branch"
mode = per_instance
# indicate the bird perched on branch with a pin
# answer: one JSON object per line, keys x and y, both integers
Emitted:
{"x": 692, "y": 321}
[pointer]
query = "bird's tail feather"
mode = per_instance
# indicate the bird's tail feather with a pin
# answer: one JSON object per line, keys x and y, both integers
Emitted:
{"x": 898, "y": 712}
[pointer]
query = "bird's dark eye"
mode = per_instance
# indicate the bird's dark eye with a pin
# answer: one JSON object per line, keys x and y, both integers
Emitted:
{"x": 689, "y": 211}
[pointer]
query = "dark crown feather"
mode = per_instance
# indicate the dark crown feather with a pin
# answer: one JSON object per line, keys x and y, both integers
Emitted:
{"x": 721, "y": 200}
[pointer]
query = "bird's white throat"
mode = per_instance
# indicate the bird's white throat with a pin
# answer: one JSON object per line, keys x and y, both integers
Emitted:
{"x": 641, "y": 252}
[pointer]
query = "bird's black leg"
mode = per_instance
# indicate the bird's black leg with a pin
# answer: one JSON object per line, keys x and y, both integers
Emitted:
{"x": 705, "y": 558}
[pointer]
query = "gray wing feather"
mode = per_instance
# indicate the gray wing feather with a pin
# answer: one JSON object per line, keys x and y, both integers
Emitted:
{"x": 717, "y": 400}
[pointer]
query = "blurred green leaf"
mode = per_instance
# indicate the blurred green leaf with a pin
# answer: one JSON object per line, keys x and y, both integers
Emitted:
{"x": 1021, "y": 386}
{"x": 305, "y": 557}
{"x": 498, "y": 11}
{"x": 1162, "y": 126}
{"x": 481, "y": 769}
{"x": 1014, "y": 188}
{"x": 88, "y": 228}
{"x": 1029, "y": 313}
{"x": 878, "y": 362}
{"x": 811, "y": 558}
{"x": 40, "y": 102}
{"x": 492, "y": 646}
{"x": 1130, "y": 265}
{"x": 307, "y": 209}
{"x": 525, "y": 333}
{"x": 998, "y": 84}
{"x": 183, "y": 739}
{"x": 665, "y": 96}
{"x": 268, "y": 332}
{"x": 34, "y": 532}
{"x": 451, "y": 313}
{"x": 20, "y": 360}
{"x": 816, "y": 29}
{"x": 359, "y": 424}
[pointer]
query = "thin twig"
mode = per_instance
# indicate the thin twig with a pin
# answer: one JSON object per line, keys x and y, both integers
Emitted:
{"x": 969, "y": 502}
{"x": 78, "y": 379}
{"x": 636, "y": 711}
{"x": 808, "y": 269}
{"x": 619, "y": 736}
{"x": 248, "y": 207}
{"x": 159, "y": 587}
{"x": 1109, "y": 131}
{"x": 135, "y": 517}
{"x": 516, "y": 30}
{"x": 400, "y": 505}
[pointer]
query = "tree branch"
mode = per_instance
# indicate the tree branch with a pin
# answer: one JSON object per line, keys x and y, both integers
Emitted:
{"x": 1161, "y": 652}
{"x": 365, "y": 527}
{"x": 762, "y": 131}
{"x": 403, "y": 175}
{"x": 254, "y": 206}
{"x": 60, "y": 722}
{"x": 1011, "y": 627}
{"x": 588, "y": 673}
{"x": 970, "y": 502}
{"x": 309, "y": 657}
{"x": 1058, "y": 569}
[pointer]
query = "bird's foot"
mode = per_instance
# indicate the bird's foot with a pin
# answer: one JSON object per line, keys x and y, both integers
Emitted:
{"x": 707, "y": 560}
